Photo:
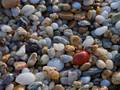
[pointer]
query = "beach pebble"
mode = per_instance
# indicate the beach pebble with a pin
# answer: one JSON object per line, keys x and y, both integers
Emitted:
{"x": 114, "y": 5}
{"x": 66, "y": 58}
{"x": 10, "y": 3}
{"x": 9, "y": 87}
{"x": 116, "y": 59}
{"x": 58, "y": 87}
{"x": 15, "y": 11}
{"x": 34, "y": 1}
{"x": 101, "y": 30}
{"x": 49, "y": 31}
{"x": 100, "y": 19}
{"x": 117, "y": 25}
{"x": 51, "y": 52}
{"x": 21, "y": 51}
{"x": 88, "y": 2}
{"x": 64, "y": 80}
{"x": 39, "y": 76}
{"x": 105, "y": 83}
{"x": 115, "y": 17}
{"x": 32, "y": 59}
{"x": 20, "y": 65}
{"x": 54, "y": 75}
{"x": 106, "y": 74}
{"x": 6, "y": 28}
{"x": 54, "y": 26}
{"x": 75, "y": 40}
{"x": 85, "y": 66}
{"x": 116, "y": 78}
{"x": 105, "y": 14}
{"x": 25, "y": 78}
{"x": 76, "y": 5}
{"x": 100, "y": 64}
{"x": 44, "y": 59}
{"x": 104, "y": 88}
{"x": 55, "y": 62}
{"x": 19, "y": 87}
{"x": 58, "y": 46}
{"x": 24, "y": 70}
{"x": 85, "y": 79}
{"x": 8, "y": 79}
{"x": 88, "y": 41}
{"x": 77, "y": 84}
{"x": 109, "y": 64}
{"x": 28, "y": 10}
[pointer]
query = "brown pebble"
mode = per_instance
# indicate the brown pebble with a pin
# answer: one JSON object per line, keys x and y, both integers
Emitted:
{"x": 85, "y": 66}
{"x": 79, "y": 16}
{"x": 83, "y": 29}
{"x": 106, "y": 74}
{"x": 94, "y": 88}
{"x": 10, "y": 3}
{"x": 69, "y": 48}
{"x": 77, "y": 84}
{"x": 103, "y": 88}
{"x": 20, "y": 65}
{"x": 5, "y": 57}
{"x": 75, "y": 40}
{"x": 54, "y": 75}
{"x": 116, "y": 78}
{"x": 107, "y": 34}
{"x": 46, "y": 22}
{"x": 66, "y": 15}
{"x": 115, "y": 39}
{"x": 44, "y": 49}
{"x": 19, "y": 87}
{"x": 59, "y": 87}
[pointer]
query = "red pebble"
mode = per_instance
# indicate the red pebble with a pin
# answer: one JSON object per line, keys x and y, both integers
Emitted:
{"x": 81, "y": 58}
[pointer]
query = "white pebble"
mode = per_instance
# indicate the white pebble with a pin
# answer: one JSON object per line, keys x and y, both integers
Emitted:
{"x": 100, "y": 64}
{"x": 101, "y": 30}
{"x": 54, "y": 26}
{"x": 100, "y": 19}
{"x": 6, "y": 28}
{"x": 109, "y": 64}
{"x": 44, "y": 59}
{"x": 9, "y": 87}
{"x": 58, "y": 46}
{"x": 114, "y": 5}
{"x": 25, "y": 78}
{"x": 28, "y": 10}
{"x": 51, "y": 52}
{"x": 15, "y": 11}
{"x": 40, "y": 76}
{"x": 88, "y": 2}
{"x": 21, "y": 51}
{"x": 88, "y": 41}
{"x": 117, "y": 25}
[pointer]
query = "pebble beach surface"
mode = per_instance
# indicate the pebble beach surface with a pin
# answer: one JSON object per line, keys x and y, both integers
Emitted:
{"x": 59, "y": 44}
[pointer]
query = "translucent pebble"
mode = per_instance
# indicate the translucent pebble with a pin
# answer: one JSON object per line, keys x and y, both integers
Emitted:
{"x": 6, "y": 28}
{"x": 58, "y": 46}
{"x": 54, "y": 26}
{"x": 15, "y": 11}
{"x": 25, "y": 78}
{"x": 85, "y": 79}
{"x": 105, "y": 83}
{"x": 76, "y": 5}
{"x": 56, "y": 63}
{"x": 88, "y": 41}
{"x": 100, "y": 19}
{"x": 117, "y": 25}
{"x": 34, "y": 1}
{"x": 100, "y": 64}
{"x": 28, "y": 10}
{"x": 101, "y": 30}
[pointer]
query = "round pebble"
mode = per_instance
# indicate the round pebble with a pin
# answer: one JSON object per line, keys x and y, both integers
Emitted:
{"x": 116, "y": 78}
{"x": 85, "y": 79}
{"x": 76, "y": 5}
{"x": 105, "y": 83}
{"x": 100, "y": 64}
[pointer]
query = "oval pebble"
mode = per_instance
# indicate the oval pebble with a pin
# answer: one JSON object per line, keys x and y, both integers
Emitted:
{"x": 116, "y": 78}
{"x": 9, "y": 87}
{"x": 58, "y": 46}
{"x": 34, "y": 1}
{"x": 56, "y": 63}
{"x": 105, "y": 83}
{"x": 76, "y": 5}
{"x": 117, "y": 25}
{"x": 66, "y": 58}
{"x": 100, "y": 19}
{"x": 6, "y": 28}
{"x": 19, "y": 87}
{"x": 88, "y": 41}
{"x": 85, "y": 79}
{"x": 100, "y": 64}
{"x": 54, "y": 26}
{"x": 109, "y": 64}
{"x": 85, "y": 66}
{"x": 44, "y": 59}
{"x": 59, "y": 87}
{"x": 25, "y": 78}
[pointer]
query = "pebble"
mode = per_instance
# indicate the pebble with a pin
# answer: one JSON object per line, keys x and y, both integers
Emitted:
{"x": 100, "y": 19}
{"x": 85, "y": 80}
{"x": 19, "y": 87}
{"x": 44, "y": 59}
{"x": 101, "y": 30}
{"x": 20, "y": 65}
{"x": 51, "y": 52}
{"x": 75, "y": 40}
{"x": 114, "y": 5}
{"x": 54, "y": 26}
{"x": 8, "y": 79}
{"x": 116, "y": 59}
{"x": 115, "y": 17}
{"x": 55, "y": 62}
{"x": 21, "y": 51}
{"x": 103, "y": 88}
{"x": 15, "y": 11}
{"x": 76, "y": 5}
{"x": 116, "y": 78}
{"x": 100, "y": 64}
{"x": 105, "y": 83}
{"x": 109, "y": 64}
{"x": 58, "y": 46}
{"x": 10, "y": 3}
{"x": 59, "y": 87}
{"x": 88, "y": 41}
{"x": 54, "y": 75}
{"x": 106, "y": 74}
{"x": 10, "y": 87}
{"x": 34, "y": 1}
{"x": 25, "y": 78}
{"x": 88, "y": 2}
{"x": 27, "y": 10}
{"x": 117, "y": 25}
{"x": 6, "y": 28}
{"x": 66, "y": 58}
{"x": 77, "y": 84}
{"x": 85, "y": 66}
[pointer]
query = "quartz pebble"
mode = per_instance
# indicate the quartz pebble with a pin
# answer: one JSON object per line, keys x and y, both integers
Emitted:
{"x": 58, "y": 47}
{"x": 25, "y": 78}
{"x": 21, "y": 51}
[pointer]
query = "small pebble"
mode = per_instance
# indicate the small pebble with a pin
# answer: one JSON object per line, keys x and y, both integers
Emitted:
{"x": 100, "y": 64}
{"x": 106, "y": 74}
{"x": 44, "y": 59}
{"x": 109, "y": 64}
{"x": 54, "y": 26}
{"x": 10, "y": 87}
{"x": 76, "y": 5}
{"x": 66, "y": 58}
{"x": 117, "y": 25}
{"x": 105, "y": 83}
{"x": 20, "y": 65}
{"x": 6, "y": 28}
{"x": 21, "y": 51}
{"x": 85, "y": 79}
{"x": 85, "y": 66}
{"x": 100, "y": 19}
{"x": 59, "y": 87}
{"x": 58, "y": 46}
{"x": 88, "y": 41}
{"x": 19, "y": 87}
{"x": 116, "y": 78}
{"x": 75, "y": 40}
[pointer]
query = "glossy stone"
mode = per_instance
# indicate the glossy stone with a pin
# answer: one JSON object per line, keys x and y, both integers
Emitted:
{"x": 81, "y": 58}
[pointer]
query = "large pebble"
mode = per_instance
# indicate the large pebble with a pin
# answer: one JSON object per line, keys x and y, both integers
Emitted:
{"x": 88, "y": 41}
{"x": 25, "y": 78}
{"x": 106, "y": 74}
{"x": 10, "y": 3}
{"x": 85, "y": 79}
{"x": 114, "y": 5}
{"x": 66, "y": 58}
{"x": 109, "y": 64}
{"x": 28, "y": 10}
{"x": 6, "y": 28}
{"x": 101, "y": 30}
{"x": 116, "y": 78}
{"x": 56, "y": 63}
{"x": 101, "y": 64}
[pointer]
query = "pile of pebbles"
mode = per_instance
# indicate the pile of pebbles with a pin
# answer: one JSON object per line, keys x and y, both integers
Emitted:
{"x": 59, "y": 44}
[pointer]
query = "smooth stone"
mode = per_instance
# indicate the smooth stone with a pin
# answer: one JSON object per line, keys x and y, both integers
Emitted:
{"x": 104, "y": 88}
{"x": 109, "y": 64}
{"x": 19, "y": 87}
{"x": 101, "y": 30}
{"x": 6, "y": 28}
{"x": 92, "y": 71}
{"x": 76, "y": 5}
{"x": 105, "y": 83}
{"x": 24, "y": 70}
{"x": 32, "y": 59}
{"x": 59, "y": 39}
{"x": 40, "y": 76}
{"x": 9, "y": 87}
{"x": 25, "y": 78}
{"x": 85, "y": 79}
{"x": 85, "y": 66}
{"x": 115, "y": 17}
{"x": 117, "y": 25}
{"x": 58, "y": 46}
{"x": 19, "y": 65}
{"x": 68, "y": 32}
{"x": 51, "y": 85}
{"x": 75, "y": 40}
{"x": 10, "y": 3}
{"x": 64, "y": 80}
{"x": 8, "y": 79}
{"x": 116, "y": 78}
{"x": 66, "y": 58}
{"x": 54, "y": 26}
{"x": 106, "y": 74}
{"x": 51, "y": 52}
{"x": 106, "y": 43}
{"x": 100, "y": 19}
{"x": 49, "y": 31}
{"x": 15, "y": 11}
{"x": 55, "y": 62}
{"x": 44, "y": 59}
{"x": 49, "y": 42}
{"x": 114, "y": 5}
{"x": 21, "y": 51}
{"x": 88, "y": 41}
{"x": 53, "y": 74}
{"x": 88, "y": 2}
{"x": 34, "y": 1}
{"x": 84, "y": 23}
{"x": 116, "y": 59}
{"x": 28, "y": 10}
{"x": 101, "y": 64}
{"x": 105, "y": 14}
{"x": 58, "y": 87}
